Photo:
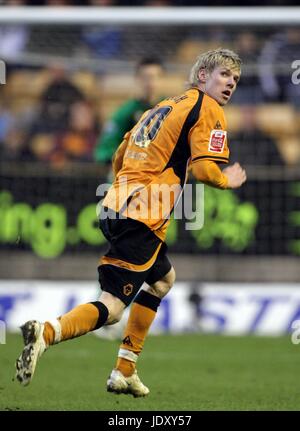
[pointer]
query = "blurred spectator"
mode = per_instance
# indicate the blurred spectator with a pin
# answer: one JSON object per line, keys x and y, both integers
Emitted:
{"x": 249, "y": 88}
{"x": 103, "y": 41}
{"x": 65, "y": 127}
{"x": 275, "y": 69}
{"x": 251, "y": 146}
{"x": 56, "y": 102}
{"x": 78, "y": 142}
{"x": 148, "y": 77}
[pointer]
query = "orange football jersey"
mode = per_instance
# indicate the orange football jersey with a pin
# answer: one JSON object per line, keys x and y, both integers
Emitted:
{"x": 161, "y": 147}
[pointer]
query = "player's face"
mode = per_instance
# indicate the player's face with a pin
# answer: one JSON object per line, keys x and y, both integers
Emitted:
{"x": 221, "y": 83}
{"x": 150, "y": 81}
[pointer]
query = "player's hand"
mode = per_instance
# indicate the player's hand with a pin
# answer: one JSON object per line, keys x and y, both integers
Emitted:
{"x": 236, "y": 175}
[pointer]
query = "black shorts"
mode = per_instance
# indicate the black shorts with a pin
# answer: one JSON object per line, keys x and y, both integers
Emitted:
{"x": 136, "y": 255}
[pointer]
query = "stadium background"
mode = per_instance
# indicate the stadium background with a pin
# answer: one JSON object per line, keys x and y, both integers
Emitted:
{"x": 239, "y": 275}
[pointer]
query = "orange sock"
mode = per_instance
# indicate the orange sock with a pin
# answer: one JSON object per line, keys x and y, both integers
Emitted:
{"x": 141, "y": 316}
{"x": 126, "y": 367}
{"x": 49, "y": 334}
{"x": 82, "y": 319}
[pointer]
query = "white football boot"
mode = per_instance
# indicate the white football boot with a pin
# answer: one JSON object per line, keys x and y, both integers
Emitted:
{"x": 34, "y": 347}
{"x": 120, "y": 384}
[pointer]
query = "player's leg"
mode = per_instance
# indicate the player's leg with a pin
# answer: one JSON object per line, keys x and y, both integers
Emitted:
{"x": 142, "y": 314}
{"x": 79, "y": 321}
{"x": 83, "y": 319}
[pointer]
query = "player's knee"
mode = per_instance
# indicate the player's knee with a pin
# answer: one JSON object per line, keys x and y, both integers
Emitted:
{"x": 115, "y": 307}
{"x": 162, "y": 287}
{"x": 171, "y": 277}
{"x": 114, "y": 316}
{"x": 169, "y": 280}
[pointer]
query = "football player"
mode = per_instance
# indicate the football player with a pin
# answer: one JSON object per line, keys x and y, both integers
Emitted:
{"x": 180, "y": 133}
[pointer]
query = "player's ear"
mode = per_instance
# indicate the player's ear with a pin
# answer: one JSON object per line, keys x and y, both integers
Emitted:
{"x": 202, "y": 75}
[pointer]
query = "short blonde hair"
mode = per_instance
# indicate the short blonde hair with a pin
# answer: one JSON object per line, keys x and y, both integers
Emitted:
{"x": 210, "y": 60}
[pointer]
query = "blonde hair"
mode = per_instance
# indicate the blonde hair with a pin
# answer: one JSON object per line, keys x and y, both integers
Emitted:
{"x": 210, "y": 60}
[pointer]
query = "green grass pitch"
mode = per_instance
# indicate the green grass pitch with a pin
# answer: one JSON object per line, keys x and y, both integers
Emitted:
{"x": 187, "y": 372}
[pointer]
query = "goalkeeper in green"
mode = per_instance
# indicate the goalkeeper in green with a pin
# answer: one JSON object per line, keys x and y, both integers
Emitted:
{"x": 149, "y": 73}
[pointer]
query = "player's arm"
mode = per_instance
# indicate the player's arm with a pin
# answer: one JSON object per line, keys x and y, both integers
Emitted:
{"x": 208, "y": 172}
{"x": 208, "y": 144}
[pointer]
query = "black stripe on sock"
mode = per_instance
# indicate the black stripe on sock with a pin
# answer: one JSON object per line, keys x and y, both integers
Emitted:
{"x": 147, "y": 300}
{"x": 103, "y": 314}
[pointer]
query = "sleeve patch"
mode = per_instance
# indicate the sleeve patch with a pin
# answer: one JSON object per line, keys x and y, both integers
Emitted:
{"x": 217, "y": 141}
